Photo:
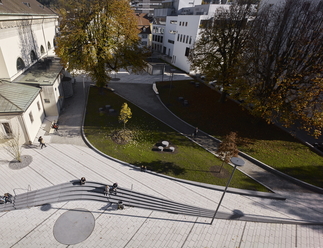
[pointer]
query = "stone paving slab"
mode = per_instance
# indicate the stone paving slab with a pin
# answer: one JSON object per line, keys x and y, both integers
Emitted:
{"x": 135, "y": 227}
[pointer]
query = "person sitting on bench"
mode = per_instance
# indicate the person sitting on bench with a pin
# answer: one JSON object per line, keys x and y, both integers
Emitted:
{"x": 113, "y": 188}
{"x": 7, "y": 198}
{"x": 120, "y": 205}
{"x": 55, "y": 126}
{"x": 82, "y": 181}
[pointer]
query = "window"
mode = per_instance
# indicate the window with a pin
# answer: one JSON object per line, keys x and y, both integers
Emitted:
{"x": 31, "y": 117}
{"x": 144, "y": 36}
{"x": 27, "y": 4}
{"x": 20, "y": 64}
{"x": 190, "y": 39}
{"x": 46, "y": 101}
{"x": 144, "y": 43}
{"x": 42, "y": 50}
{"x": 38, "y": 105}
{"x": 49, "y": 45}
{"x": 178, "y": 37}
{"x": 186, "y": 39}
{"x": 32, "y": 56}
{"x": 7, "y": 129}
{"x": 186, "y": 24}
{"x": 181, "y": 38}
{"x": 171, "y": 41}
{"x": 187, "y": 51}
{"x": 180, "y": 23}
{"x": 173, "y": 22}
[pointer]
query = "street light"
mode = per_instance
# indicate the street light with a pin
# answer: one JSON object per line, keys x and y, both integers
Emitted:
{"x": 236, "y": 162}
{"x": 163, "y": 71}
{"x": 83, "y": 84}
{"x": 171, "y": 81}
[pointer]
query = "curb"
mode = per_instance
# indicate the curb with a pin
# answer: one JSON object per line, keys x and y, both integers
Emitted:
{"x": 204, "y": 185}
{"x": 257, "y": 162}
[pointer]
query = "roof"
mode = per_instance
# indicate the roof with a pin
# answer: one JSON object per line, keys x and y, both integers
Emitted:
{"x": 16, "y": 97}
{"x": 43, "y": 73}
{"x": 24, "y": 7}
{"x": 142, "y": 19}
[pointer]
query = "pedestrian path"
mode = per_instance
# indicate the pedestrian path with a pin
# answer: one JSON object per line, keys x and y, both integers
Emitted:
{"x": 144, "y": 97}
{"x": 242, "y": 221}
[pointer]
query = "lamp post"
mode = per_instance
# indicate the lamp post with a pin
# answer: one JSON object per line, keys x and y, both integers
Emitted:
{"x": 236, "y": 162}
{"x": 83, "y": 84}
{"x": 163, "y": 71}
{"x": 171, "y": 81}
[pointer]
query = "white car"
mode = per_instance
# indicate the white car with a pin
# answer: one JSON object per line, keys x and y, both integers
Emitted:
{"x": 213, "y": 83}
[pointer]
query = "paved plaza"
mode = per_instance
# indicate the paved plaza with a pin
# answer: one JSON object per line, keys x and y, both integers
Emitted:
{"x": 242, "y": 220}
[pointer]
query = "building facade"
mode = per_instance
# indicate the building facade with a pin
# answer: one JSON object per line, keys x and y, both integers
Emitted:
{"x": 30, "y": 78}
{"x": 177, "y": 26}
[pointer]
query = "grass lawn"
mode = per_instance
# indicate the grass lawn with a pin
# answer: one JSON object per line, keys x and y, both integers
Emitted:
{"x": 260, "y": 140}
{"x": 189, "y": 161}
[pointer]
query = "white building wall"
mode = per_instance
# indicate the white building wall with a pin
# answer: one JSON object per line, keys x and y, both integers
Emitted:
{"x": 15, "y": 126}
{"x": 38, "y": 115}
{"x": 170, "y": 34}
{"x": 158, "y": 33}
{"x": 187, "y": 31}
{"x": 52, "y": 98}
{"x": 18, "y": 38}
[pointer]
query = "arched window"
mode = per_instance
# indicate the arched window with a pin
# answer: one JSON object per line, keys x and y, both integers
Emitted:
{"x": 20, "y": 64}
{"x": 42, "y": 50}
{"x": 49, "y": 45}
{"x": 32, "y": 56}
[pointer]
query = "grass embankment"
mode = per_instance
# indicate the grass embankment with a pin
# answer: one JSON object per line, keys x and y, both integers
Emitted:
{"x": 189, "y": 161}
{"x": 260, "y": 140}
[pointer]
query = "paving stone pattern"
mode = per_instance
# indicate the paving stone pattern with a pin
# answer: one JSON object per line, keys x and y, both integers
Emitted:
{"x": 243, "y": 220}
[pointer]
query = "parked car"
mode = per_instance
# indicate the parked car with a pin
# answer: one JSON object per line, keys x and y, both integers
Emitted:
{"x": 213, "y": 83}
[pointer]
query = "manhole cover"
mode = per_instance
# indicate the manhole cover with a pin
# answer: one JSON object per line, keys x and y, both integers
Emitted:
{"x": 74, "y": 226}
{"x": 25, "y": 161}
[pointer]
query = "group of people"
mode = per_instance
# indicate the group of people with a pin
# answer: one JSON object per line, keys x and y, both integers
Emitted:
{"x": 111, "y": 189}
{"x": 7, "y": 197}
{"x": 41, "y": 140}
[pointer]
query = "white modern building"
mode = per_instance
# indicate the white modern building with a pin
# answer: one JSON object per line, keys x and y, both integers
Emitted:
{"x": 177, "y": 26}
{"x": 31, "y": 85}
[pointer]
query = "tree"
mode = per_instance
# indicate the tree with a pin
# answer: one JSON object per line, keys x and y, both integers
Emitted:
{"x": 228, "y": 148}
{"x": 217, "y": 52}
{"x": 99, "y": 36}
{"x": 12, "y": 146}
{"x": 125, "y": 114}
{"x": 284, "y": 59}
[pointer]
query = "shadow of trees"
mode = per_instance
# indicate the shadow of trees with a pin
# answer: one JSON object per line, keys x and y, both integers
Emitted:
{"x": 162, "y": 167}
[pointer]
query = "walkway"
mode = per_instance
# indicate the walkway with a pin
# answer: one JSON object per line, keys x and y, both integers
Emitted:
{"x": 144, "y": 97}
{"x": 66, "y": 158}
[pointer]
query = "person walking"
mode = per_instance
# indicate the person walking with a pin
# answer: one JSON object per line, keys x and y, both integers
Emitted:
{"x": 40, "y": 139}
{"x": 195, "y": 132}
{"x": 42, "y": 143}
{"x": 106, "y": 190}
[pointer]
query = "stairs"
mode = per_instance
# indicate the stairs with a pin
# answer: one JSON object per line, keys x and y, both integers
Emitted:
{"x": 93, "y": 191}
